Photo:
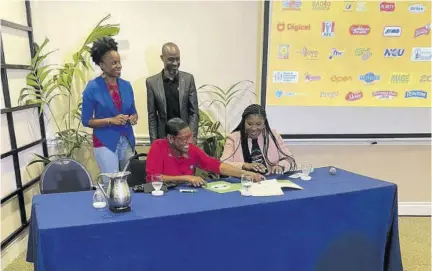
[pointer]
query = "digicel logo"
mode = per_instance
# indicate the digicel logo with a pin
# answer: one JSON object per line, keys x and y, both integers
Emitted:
{"x": 387, "y": 6}
{"x": 292, "y": 27}
{"x": 358, "y": 29}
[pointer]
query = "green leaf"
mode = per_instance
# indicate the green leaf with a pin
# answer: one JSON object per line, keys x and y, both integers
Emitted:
{"x": 32, "y": 77}
{"x": 32, "y": 83}
{"x": 80, "y": 75}
{"x": 42, "y": 158}
{"x": 49, "y": 89}
{"x": 99, "y": 23}
{"x": 85, "y": 48}
{"x": 33, "y": 101}
{"x": 217, "y": 101}
{"x": 38, "y": 50}
{"x": 39, "y": 60}
{"x": 76, "y": 57}
{"x": 58, "y": 94}
{"x": 42, "y": 73}
{"x": 214, "y": 93}
{"x": 236, "y": 84}
{"x": 102, "y": 31}
{"x": 38, "y": 161}
{"x": 218, "y": 89}
{"x": 203, "y": 115}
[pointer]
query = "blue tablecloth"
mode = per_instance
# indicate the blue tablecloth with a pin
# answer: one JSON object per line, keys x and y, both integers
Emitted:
{"x": 345, "y": 222}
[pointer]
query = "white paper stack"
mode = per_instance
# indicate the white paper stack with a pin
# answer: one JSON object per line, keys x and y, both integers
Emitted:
{"x": 270, "y": 188}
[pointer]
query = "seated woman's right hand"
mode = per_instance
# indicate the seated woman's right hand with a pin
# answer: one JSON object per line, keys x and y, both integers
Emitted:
{"x": 257, "y": 167}
{"x": 196, "y": 181}
{"x": 120, "y": 119}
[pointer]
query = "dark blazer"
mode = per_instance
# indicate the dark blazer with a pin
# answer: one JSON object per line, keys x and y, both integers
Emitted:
{"x": 156, "y": 104}
{"x": 97, "y": 103}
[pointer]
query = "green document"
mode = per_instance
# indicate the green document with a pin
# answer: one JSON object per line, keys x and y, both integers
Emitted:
{"x": 223, "y": 187}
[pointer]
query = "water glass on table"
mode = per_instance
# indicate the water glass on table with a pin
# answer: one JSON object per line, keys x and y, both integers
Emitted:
{"x": 156, "y": 181}
{"x": 99, "y": 201}
{"x": 306, "y": 168}
{"x": 246, "y": 182}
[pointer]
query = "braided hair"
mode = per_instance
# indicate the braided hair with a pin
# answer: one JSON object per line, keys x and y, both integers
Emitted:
{"x": 101, "y": 47}
{"x": 255, "y": 109}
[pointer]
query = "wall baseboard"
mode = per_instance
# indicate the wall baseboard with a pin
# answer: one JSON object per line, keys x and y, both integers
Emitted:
{"x": 415, "y": 208}
{"x": 144, "y": 139}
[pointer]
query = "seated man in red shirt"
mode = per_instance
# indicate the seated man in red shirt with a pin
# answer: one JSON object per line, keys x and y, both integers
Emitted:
{"x": 175, "y": 158}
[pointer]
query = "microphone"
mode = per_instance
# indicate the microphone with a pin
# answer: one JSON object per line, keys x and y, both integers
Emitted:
{"x": 332, "y": 170}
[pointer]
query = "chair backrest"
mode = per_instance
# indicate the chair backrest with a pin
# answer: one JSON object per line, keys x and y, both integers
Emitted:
{"x": 64, "y": 175}
{"x": 137, "y": 168}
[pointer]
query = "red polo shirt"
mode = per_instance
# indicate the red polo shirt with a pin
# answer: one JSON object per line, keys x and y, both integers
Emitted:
{"x": 160, "y": 160}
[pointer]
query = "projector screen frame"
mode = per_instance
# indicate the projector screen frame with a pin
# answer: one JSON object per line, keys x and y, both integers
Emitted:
{"x": 264, "y": 70}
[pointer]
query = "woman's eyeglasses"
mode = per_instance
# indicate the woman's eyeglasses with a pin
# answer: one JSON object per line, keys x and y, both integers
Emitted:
{"x": 184, "y": 139}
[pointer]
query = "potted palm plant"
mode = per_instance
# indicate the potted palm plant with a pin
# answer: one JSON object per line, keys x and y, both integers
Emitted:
{"x": 48, "y": 85}
{"x": 212, "y": 133}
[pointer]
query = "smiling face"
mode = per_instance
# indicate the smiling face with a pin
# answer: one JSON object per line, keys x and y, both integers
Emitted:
{"x": 254, "y": 125}
{"x": 111, "y": 64}
{"x": 171, "y": 59}
{"x": 181, "y": 141}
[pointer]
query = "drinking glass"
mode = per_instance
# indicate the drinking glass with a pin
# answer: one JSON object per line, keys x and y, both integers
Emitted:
{"x": 99, "y": 201}
{"x": 156, "y": 181}
{"x": 246, "y": 182}
{"x": 306, "y": 168}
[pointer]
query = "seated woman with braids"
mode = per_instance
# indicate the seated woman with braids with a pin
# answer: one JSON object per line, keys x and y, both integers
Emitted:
{"x": 253, "y": 146}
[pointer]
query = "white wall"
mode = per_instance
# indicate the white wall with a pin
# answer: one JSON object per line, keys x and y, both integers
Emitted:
{"x": 219, "y": 43}
{"x": 218, "y": 40}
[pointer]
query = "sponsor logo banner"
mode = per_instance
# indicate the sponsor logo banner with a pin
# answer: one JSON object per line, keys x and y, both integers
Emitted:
{"x": 359, "y": 29}
{"x": 421, "y": 54}
{"x": 354, "y": 96}
{"x": 369, "y": 78}
{"x": 285, "y": 77}
{"x": 416, "y": 8}
{"x": 384, "y": 94}
{"x": 392, "y": 31}
{"x": 387, "y": 6}
{"x": 416, "y": 94}
{"x": 294, "y": 5}
{"x": 327, "y": 29}
{"x": 330, "y": 95}
{"x": 400, "y": 78}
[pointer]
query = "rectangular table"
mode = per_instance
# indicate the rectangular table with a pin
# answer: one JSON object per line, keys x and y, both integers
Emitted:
{"x": 345, "y": 222}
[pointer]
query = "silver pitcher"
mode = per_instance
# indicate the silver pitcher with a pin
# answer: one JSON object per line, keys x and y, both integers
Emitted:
{"x": 118, "y": 193}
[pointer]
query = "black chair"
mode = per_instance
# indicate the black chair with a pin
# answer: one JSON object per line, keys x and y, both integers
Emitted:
{"x": 64, "y": 175}
{"x": 137, "y": 168}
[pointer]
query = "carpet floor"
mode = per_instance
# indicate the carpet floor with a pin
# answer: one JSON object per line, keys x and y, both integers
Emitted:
{"x": 414, "y": 234}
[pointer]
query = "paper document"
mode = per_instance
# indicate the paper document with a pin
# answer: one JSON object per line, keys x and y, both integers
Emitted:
{"x": 271, "y": 187}
{"x": 266, "y": 188}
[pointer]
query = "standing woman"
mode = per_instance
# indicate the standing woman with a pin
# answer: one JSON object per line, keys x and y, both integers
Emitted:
{"x": 109, "y": 108}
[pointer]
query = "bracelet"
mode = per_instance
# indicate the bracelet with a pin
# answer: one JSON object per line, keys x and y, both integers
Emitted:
{"x": 109, "y": 121}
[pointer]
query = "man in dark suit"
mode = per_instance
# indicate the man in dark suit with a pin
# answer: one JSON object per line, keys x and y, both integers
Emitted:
{"x": 171, "y": 94}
